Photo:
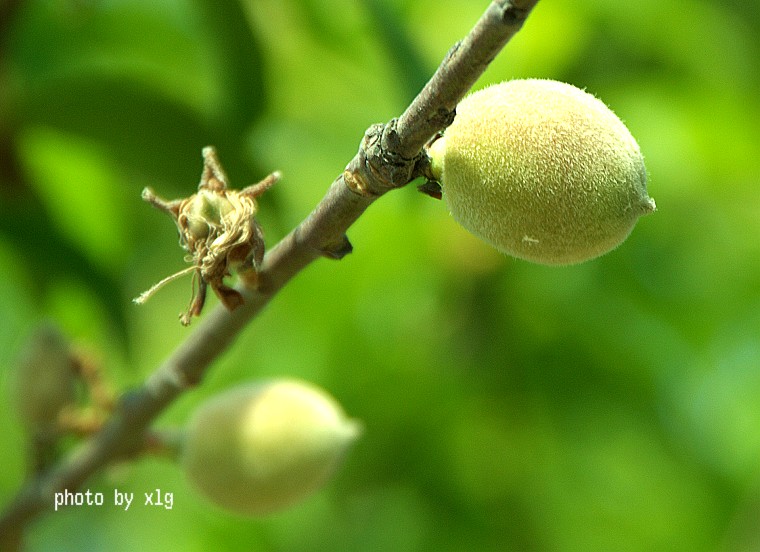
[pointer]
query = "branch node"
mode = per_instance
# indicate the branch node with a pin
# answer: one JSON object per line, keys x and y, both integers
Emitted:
{"x": 380, "y": 167}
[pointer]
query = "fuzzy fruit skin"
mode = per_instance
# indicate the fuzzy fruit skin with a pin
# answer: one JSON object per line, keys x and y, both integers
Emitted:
{"x": 259, "y": 448}
{"x": 543, "y": 171}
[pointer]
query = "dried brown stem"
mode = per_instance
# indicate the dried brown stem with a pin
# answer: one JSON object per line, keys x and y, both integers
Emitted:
{"x": 389, "y": 157}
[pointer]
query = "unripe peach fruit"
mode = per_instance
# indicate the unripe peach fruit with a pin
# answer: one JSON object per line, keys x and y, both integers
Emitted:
{"x": 259, "y": 448}
{"x": 542, "y": 171}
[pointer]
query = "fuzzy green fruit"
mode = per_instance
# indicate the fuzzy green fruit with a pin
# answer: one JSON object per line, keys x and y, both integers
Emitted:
{"x": 543, "y": 171}
{"x": 259, "y": 448}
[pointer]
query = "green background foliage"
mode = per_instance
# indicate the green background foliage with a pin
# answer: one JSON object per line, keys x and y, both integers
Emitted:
{"x": 613, "y": 405}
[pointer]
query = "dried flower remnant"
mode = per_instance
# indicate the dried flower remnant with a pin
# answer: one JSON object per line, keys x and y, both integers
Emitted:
{"x": 218, "y": 228}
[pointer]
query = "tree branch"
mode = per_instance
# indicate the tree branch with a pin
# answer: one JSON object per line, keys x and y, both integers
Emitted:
{"x": 390, "y": 156}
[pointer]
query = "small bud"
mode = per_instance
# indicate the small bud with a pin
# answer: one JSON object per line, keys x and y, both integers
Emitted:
{"x": 542, "y": 171}
{"x": 45, "y": 381}
{"x": 260, "y": 448}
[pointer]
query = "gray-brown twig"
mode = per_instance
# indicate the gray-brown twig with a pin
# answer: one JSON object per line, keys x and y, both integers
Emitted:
{"x": 390, "y": 156}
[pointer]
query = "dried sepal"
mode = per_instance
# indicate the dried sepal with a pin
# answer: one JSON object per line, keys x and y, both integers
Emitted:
{"x": 218, "y": 228}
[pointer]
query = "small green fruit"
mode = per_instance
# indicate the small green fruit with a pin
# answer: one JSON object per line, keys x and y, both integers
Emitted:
{"x": 204, "y": 212}
{"x": 45, "y": 381}
{"x": 542, "y": 171}
{"x": 260, "y": 448}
